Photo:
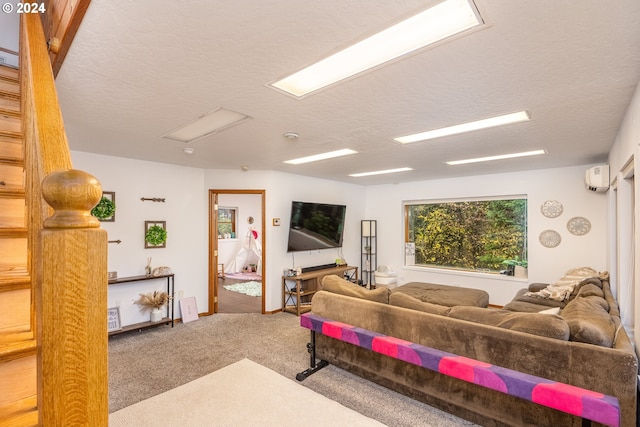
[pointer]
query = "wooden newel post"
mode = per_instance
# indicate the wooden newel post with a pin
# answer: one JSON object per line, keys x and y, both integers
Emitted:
{"x": 72, "y": 305}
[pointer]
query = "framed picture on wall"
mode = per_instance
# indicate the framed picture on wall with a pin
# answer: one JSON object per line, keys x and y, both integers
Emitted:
{"x": 155, "y": 234}
{"x": 105, "y": 210}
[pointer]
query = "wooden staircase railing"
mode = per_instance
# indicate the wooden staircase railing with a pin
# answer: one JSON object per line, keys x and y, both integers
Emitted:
{"x": 67, "y": 253}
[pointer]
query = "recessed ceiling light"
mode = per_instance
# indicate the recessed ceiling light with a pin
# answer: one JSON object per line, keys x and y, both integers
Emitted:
{"x": 206, "y": 125}
{"x": 499, "y": 157}
{"x": 291, "y": 136}
{"x": 380, "y": 172}
{"x": 188, "y": 150}
{"x": 506, "y": 119}
{"x": 323, "y": 156}
{"x": 439, "y": 22}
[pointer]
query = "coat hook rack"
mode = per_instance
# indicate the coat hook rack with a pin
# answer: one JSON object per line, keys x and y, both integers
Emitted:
{"x": 153, "y": 199}
{"x": 115, "y": 241}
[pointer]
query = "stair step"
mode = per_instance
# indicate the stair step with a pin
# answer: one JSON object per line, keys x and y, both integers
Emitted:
{"x": 9, "y": 73}
{"x": 10, "y": 122}
{"x": 9, "y": 89}
{"x": 10, "y": 105}
{"x": 11, "y": 175}
{"x": 14, "y": 256}
{"x": 15, "y": 280}
{"x": 18, "y": 380}
{"x": 12, "y": 192}
{"x": 17, "y": 345}
{"x": 13, "y": 213}
{"x": 7, "y": 134}
{"x": 16, "y": 312}
{"x": 22, "y": 413}
{"x": 13, "y": 232}
{"x": 11, "y": 148}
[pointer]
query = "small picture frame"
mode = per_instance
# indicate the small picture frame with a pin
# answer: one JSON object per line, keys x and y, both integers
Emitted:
{"x": 105, "y": 210}
{"x": 189, "y": 309}
{"x": 113, "y": 319}
{"x": 155, "y": 234}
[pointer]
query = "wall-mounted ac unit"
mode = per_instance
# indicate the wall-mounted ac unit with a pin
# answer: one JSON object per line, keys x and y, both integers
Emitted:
{"x": 597, "y": 178}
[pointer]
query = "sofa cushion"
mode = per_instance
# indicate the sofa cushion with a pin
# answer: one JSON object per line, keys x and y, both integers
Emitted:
{"x": 524, "y": 295}
{"x": 588, "y": 290}
{"x": 589, "y": 321}
{"x": 545, "y": 325}
{"x": 444, "y": 295}
{"x": 407, "y": 301}
{"x": 338, "y": 285}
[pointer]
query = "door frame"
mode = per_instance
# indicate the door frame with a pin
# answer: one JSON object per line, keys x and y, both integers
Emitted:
{"x": 213, "y": 244}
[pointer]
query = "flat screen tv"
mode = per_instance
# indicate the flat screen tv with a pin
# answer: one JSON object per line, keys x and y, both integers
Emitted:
{"x": 315, "y": 226}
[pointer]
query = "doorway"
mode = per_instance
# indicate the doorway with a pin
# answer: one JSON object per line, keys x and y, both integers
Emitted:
{"x": 236, "y": 250}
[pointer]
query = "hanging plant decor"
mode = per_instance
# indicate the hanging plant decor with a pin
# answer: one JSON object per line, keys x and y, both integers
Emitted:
{"x": 105, "y": 210}
{"x": 155, "y": 234}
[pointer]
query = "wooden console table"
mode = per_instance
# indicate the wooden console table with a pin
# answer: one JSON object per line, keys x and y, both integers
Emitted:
{"x": 298, "y": 290}
{"x": 169, "y": 319}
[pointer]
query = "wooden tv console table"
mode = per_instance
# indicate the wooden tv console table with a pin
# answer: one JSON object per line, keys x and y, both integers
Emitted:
{"x": 298, "y": 290}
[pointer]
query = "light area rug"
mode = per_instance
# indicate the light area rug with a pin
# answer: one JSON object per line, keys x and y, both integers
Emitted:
{"x": 253, "y": 289}
{"x": 244, "y": 393}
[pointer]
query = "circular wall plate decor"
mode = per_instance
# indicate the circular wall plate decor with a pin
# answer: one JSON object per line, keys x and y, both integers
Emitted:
{"x": 552, "y": 209}
{"x": 550, "y": 238}
{"x": 579, "y": 226}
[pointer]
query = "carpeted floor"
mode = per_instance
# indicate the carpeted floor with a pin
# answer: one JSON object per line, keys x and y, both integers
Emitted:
{"x": 144, "y": 364}
{"x": 245, "y": 394}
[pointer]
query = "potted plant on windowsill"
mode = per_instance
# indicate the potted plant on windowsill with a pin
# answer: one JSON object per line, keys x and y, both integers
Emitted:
{"x": 153, "y": 301}
{"x": 517, "y": 267}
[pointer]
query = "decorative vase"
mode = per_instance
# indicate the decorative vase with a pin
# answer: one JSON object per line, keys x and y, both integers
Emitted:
{"x": 520, "y": 271}
{"x": 156, "y": 315}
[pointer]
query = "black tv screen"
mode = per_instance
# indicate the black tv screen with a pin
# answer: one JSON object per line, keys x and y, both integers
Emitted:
{"x": 315, "y": 226}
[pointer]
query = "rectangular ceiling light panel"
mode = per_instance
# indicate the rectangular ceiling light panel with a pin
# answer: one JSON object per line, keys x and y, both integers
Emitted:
{"x": 499, "y": 157}
{"x": 380, "y": 172}
{"x": 434, "y": 24}
{"x": 506, "y": 119}
{"x": 206, "y": 125}
{"x": 323, "y": 156}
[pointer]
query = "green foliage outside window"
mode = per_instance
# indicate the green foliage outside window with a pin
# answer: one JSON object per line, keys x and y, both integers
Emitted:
{"x": 468, "y": 235}
{"x": 226, "y": 221}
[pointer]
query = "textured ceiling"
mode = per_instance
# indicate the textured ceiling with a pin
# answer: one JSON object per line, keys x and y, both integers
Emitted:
{"x": 137, "y": 70}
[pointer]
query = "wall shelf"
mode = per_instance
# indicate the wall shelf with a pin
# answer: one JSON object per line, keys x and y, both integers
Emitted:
{"x": 168, "y": 319}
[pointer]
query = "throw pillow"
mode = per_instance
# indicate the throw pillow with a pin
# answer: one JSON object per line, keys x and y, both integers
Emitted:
{"x": 338, "y": 285}
{"x": 589, "y": 321}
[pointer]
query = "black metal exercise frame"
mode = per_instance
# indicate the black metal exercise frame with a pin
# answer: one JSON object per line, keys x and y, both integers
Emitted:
{"x": 313, "y": 366}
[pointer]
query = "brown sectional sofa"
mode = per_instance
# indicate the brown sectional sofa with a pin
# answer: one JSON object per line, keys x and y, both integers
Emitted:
{"x": 583, "y": 345}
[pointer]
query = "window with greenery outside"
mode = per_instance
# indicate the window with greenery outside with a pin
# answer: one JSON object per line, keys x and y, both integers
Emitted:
{"x": 226, "y": 221}
{"x": 477, "y": 235}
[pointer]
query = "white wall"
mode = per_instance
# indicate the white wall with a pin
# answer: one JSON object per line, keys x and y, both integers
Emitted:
{"x": 186, "y": 212}
{"x": 186, "y": 249}
{"x": 10, "y": 36}
{"x": 625, "y": 151}
{"x": 566, "y": 185}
